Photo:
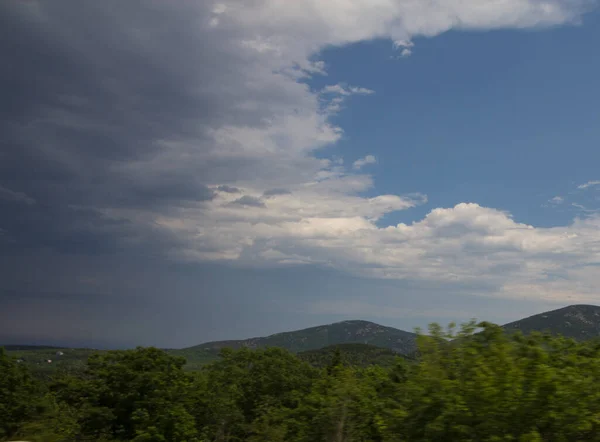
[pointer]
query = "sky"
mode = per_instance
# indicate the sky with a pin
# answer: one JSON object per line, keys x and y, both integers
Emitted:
{"x": 178, "y": 172}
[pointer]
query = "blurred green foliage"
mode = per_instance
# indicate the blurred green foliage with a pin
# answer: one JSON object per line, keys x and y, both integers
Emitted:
{"x": 474, "y": 384}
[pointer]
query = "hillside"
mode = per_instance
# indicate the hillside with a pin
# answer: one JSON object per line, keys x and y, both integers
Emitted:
{"x": 384, "y": 339}
{"x": 362, "y": 332}
{"x": 580, "y": 322}
{"x": 363, "y": 342}
{"x": 355, "y": 355}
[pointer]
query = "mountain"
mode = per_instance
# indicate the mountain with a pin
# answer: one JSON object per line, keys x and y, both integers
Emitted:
{"x": 580, "y": 322}
{"x": 358, "y": 332}
{"x": 384, "y": 341}
{"x": 362, "y": 342}
{"x": 355, "y": 355}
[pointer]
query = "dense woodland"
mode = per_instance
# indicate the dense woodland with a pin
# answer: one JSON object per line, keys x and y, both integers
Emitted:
{"x": 463, "y": 386}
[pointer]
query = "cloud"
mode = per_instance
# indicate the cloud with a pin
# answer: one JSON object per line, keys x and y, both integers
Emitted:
{"x": 308, "y": 25}
{"x": 403, "y": 44}
{"x": 405, "y": 47}
{"x": 18, "y": 197}
{"x": 344, "y": 90}
{"x": 361, "y": 308}
{"x": 276, "y": 192}
{"x": 467, "y": 245}
{"x": 588, "y": 184}
{"x": 228, "y": 189}
{"x": 249, "y": 201}
{"x": 334, "y": 95}
{"x": 146, "y": 117}
{"x": 361, "y": 91}
{"x": 584, "y": 209}
{"x": 360, "y": 163}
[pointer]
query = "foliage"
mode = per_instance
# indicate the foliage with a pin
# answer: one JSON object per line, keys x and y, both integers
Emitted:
{"x": 473, "y": 384}
{"x": 240, "y": 389}
{"x": 63, "y": 360}
{"x": 130, "y": 395}
{"x": 490, "y": 387}
{"x": 73, "y": 360}
{"x": 353, "y": 355}
{"x": 195, "y": 358}
{"x": 17, "y": 395}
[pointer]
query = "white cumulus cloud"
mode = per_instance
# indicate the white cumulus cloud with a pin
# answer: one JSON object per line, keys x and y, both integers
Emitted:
{"x": 361, "y": 162}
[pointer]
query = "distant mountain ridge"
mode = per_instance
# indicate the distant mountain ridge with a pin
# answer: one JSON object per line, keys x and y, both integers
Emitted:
{"x": 575, "y": 321}
{"x": 580, "y": 322}
{"x": 364, "y": 342}
{"x": 313, "y": 338}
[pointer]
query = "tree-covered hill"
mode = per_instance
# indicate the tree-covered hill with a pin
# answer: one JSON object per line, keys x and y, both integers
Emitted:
{"x": 579, "y": 322}
{"x": 314, "y": 338}
{"x": 358, "y": 332}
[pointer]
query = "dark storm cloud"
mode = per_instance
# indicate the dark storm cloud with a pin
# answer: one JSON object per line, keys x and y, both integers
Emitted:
{"x": 110, "y": 105}
{"x": 105, "y": 123}
{"x": 84, "y": 98}
{"x": 61, "y": 228}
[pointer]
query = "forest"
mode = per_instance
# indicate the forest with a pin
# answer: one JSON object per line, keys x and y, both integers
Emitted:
{"x": 469, "y": 383}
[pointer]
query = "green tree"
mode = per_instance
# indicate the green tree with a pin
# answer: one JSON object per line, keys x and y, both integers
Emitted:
{"x": 56, "y": 422}
{"x": 245, "y": 390}
{"x": 136, "y": 394}
{"x": 337, "y": 361}
{"x": 341, "y": 407}
{"x": 18, "y": 395}
{"x": 487, "y": 386}
{"x": 475, "y": 384}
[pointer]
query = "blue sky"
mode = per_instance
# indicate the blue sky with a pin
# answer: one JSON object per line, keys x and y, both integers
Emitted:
{"x": 173, "y": 173}
{"x": 507, "y": 119}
